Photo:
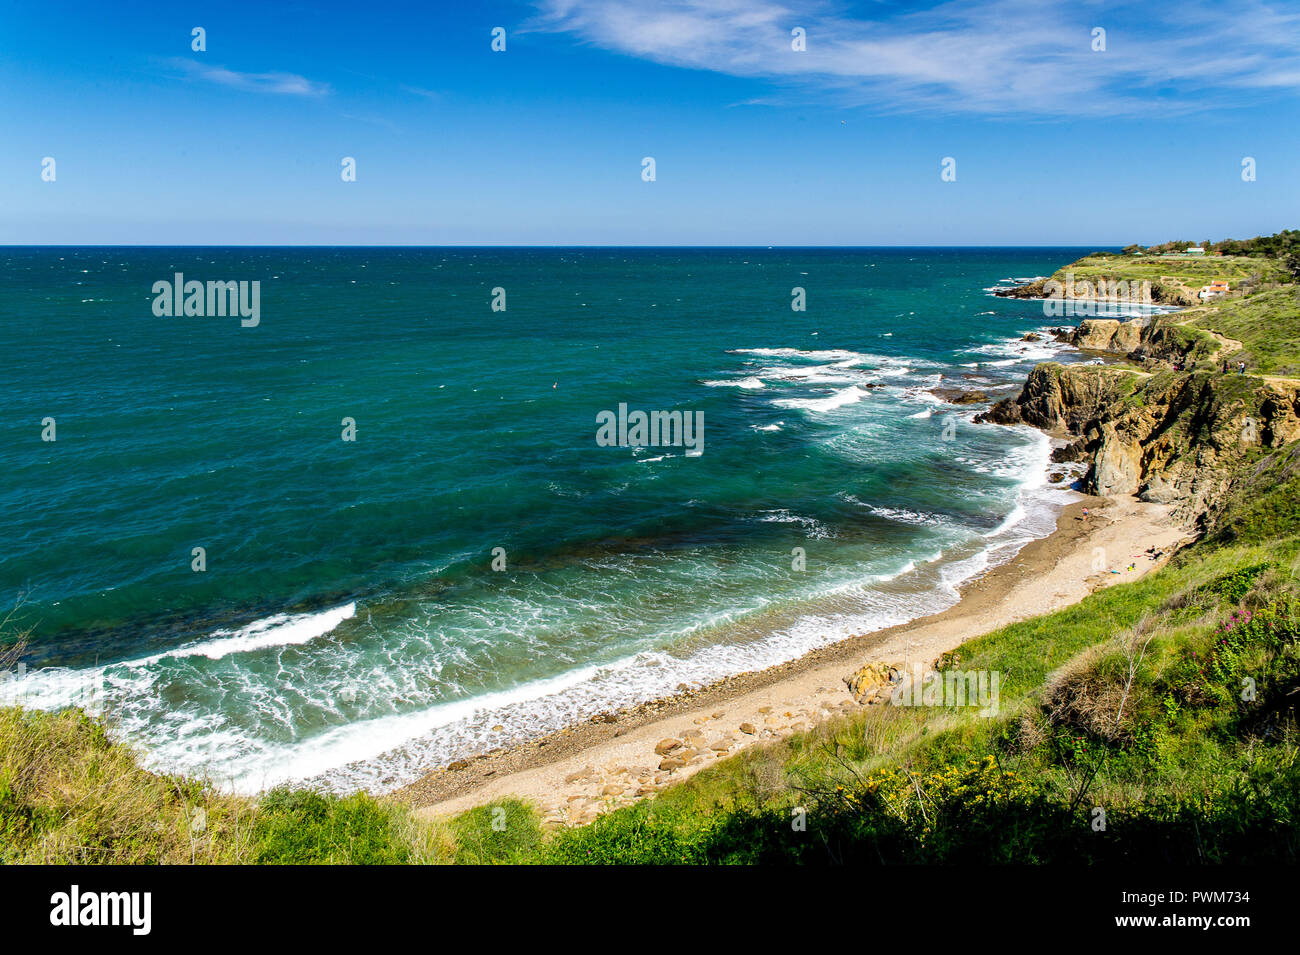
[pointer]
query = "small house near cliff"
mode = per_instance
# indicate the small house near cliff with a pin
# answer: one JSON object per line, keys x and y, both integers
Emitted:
{"x": 1215, "y": 289}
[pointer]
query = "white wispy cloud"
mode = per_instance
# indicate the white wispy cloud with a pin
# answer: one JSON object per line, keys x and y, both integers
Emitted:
{"x": 422, "y": 92}
{"x": 992, "y": 57}
{"x": 288, "y": 84}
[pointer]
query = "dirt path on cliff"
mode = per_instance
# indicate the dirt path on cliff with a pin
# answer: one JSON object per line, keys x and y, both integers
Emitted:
{"x": 1229, "y": 345}
{"x": 1226, "y": 345}
{"x": 1282, "y": 384}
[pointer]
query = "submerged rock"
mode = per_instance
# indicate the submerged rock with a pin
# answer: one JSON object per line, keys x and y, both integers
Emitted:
{"x": 957, "y": 396}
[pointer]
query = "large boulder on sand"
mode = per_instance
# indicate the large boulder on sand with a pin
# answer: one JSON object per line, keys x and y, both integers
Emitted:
{"x": 866, "y": 681}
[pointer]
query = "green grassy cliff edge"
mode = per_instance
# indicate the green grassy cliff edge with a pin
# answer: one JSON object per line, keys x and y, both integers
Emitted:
{"x": 1155, "y": 721}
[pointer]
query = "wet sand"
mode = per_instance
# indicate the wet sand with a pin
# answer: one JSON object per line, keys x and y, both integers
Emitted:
{"x": 576, "y": 773}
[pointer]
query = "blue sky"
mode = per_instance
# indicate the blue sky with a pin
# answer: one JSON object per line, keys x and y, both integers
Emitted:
{"x": 754, "y": 143}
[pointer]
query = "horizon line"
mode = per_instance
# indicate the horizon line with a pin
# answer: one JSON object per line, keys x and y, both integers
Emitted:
{"x": 507, "y": 245}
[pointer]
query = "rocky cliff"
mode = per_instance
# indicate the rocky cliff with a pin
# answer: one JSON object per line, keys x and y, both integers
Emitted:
{"x": 1062, "y": 399}
{"x": 1109, "y": 335}
{"x": 1175, "y": 438}
{"x": 1087, "y": 286}
{"x": 1141, "y": 340}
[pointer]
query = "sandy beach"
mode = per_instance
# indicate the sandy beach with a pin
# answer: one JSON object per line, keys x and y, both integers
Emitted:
{"x": 575, "y": 774}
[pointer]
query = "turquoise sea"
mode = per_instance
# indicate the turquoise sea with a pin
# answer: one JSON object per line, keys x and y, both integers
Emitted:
{"x": 350, "y": 627}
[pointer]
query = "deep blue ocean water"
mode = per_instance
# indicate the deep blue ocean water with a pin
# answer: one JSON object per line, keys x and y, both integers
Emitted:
{"x": 350, "y": 626}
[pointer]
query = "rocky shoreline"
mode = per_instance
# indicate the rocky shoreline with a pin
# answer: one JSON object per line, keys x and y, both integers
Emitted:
{"x": 1172, "y": 428}
{"x": 1082, "y": 290}
{"x": 564, "y": 772}
{"x": 616, "y": 759}
{"x": 1157, "y": 426}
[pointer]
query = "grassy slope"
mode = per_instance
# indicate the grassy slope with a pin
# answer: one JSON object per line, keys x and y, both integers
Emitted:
{"x": 1266, "y": 322}
{"x": 1186, "y": 772}
{"x": 68, "y": 794}
{"x": 1183, "y": 768}
{"x": 1267, "y": 325}
{"x": 1188, "y": 271}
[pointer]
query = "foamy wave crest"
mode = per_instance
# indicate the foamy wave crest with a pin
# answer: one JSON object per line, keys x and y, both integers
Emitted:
{"x": 1013, "y": 350}
{"x": 842, "y": 358}
{"x": 65, "y": 686}
{"x": 832, "y": 354}
{"x": 813, "y": 527}
{"x": 751, "y": 382}
{"x": 845, "y": 396}
{"x": 282, "y": 630}
{"x": 900, "y": 515}
{"x": 813, "y": 374}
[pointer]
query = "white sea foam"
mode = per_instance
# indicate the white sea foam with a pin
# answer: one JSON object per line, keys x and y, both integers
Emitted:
{"x": 388, "y": 749}
{"x": 844, "y": 396}
{"x": 813, "y": 374}
{"x": 751, "y": 382}
{"x": 811, "y": 526}
{"x": 903, "y": 515}
{"x": 1045, "y": 348}
{"x": 64, "y": 686}
{"x": 840, "y": 357}
{"x": 834, "y": 354}
{"x": 281, "y": 630}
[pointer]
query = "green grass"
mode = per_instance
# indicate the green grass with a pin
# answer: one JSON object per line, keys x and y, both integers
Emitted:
{"x": 1132, "y": 704}
{"x": 1265, "y": 505}
{"x": 1190, "y": 272}
{"x": 1183, "y": 769}
{"x": 504, "y": 832}
{"x": 1186, "y": 773}
{"x": 71, "y": 795}
{"x": 301, "y": 827}
{"x": 1267, "y": 324}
